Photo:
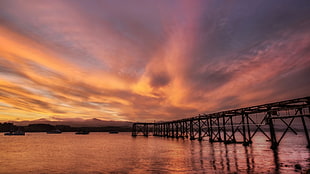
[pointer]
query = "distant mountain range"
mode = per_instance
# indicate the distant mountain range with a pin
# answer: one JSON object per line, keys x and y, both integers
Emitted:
{"x": 76, "y": 123}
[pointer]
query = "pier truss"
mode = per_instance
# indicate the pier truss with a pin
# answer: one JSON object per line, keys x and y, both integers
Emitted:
{"x": 273, "y": 120}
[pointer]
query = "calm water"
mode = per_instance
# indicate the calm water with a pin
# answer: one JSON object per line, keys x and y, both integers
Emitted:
{"x": 121, "y": 153}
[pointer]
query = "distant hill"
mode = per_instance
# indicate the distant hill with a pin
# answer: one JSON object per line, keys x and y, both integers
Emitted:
{"x": 77, "y": 123}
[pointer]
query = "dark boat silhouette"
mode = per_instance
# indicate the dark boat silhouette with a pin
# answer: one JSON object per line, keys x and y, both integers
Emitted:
{"x": 113, "y": 132}
{"x": 57, "y": 131}
{"x": 82, "y": 132}
{"x": 15, "y": 133}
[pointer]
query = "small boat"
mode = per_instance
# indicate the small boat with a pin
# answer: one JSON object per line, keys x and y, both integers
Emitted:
{"x": 113, "y": 132}
{"x": 57, "y": 131}
{"x": 15, "y": 133}
{"x": 82, "y": 132}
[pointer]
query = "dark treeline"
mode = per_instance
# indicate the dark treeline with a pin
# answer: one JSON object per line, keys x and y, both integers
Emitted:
{"x": 6, "y": 127}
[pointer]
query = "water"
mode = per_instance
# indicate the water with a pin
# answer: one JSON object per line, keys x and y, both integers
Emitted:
{"x": 121, "y": 153}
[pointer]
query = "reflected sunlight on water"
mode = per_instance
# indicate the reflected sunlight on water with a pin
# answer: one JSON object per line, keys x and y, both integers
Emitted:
{"x": 121, "y": 153}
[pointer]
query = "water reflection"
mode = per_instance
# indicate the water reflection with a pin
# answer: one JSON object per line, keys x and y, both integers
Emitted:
{"x": 222, "y": 158}
{"x": 212, "y": 155}
{"x": 249, "y": 158}
{"x": 105, "y": 153}
{"x": 236, "y": 158}
{"x": 276, "y": 161}
{"x": 193, "y": 156}
{"x": 201, "y": 155}
{"x": 227, "y": 161}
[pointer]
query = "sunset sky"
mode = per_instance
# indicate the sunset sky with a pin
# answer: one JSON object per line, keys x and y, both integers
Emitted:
{"x": 146, "y": 60}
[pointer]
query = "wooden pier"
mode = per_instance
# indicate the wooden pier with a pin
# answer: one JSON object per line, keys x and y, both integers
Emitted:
{"x": 238, "y": 125}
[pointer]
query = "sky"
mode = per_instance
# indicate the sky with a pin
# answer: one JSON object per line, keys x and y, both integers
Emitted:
{"x": 146, "y": 60}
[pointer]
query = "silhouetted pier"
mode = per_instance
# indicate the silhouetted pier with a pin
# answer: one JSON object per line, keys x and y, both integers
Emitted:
{"x": 238, "y": 125}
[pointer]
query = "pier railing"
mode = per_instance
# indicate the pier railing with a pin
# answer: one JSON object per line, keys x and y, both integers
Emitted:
{"x": 238, "y": 125}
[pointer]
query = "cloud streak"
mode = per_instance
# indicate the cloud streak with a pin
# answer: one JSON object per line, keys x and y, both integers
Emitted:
{"x": 149, "y": 60}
